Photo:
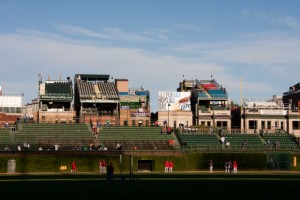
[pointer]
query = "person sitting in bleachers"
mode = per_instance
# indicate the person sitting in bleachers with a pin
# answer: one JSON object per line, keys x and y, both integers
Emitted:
{"x": 101, "y": 146}
{"x": 227, "y": 144}
{"x": 222, "y": 139}
{"x": 6, "y": 124}
{"x": 172, "y": 142}
{"x": 119, "y": 146}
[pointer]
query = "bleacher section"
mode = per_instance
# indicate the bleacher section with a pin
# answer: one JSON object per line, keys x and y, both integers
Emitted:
{"x": 211, "y": 89}
{"x": 80, "y": 137}
{"x": 202, "y": 95}
{"x": 100, "y": 90}
{"x": 244, "y": 141}
{"x": 217, "y": 93}
{"x": 203, "y": 108}
{"x": 209, "y": 86}
{"x": 4, "y": 138}
{"x": 134, "y": 138}
{"x": 205, "y": 140}
{"x": 280, "y": 140}
{"x": 67, "y": 136}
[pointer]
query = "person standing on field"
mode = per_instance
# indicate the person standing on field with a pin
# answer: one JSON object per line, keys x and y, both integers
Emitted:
{"x": 211, "y": 166}
{"x": 73, "y": 167}
{"x": 167, "y": 166}
{"x": 171, "y": 164}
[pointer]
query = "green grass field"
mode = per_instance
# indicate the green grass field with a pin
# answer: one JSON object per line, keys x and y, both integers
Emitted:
{"x": 178, "y": 185}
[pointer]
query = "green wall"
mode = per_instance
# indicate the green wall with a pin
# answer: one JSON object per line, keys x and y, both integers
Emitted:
{"x": 188, "y": 162}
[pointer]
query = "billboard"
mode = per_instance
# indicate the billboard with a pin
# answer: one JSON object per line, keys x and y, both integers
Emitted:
{"x": 11, "y": 101}
{"x": 174, "y": 101}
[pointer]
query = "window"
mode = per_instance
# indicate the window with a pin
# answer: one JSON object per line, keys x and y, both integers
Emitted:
{"x": 268, "y": 124}
{"x": 281, "y": 125}
{"x": 263, "y": 124}
{"x": 296, "y": 125}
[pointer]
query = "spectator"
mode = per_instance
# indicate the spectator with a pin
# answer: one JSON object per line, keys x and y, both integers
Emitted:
{"x": 25, "y": 145}
{"x": 222, "y": 139}
{"x": 6, "y": 124}
{"x": 172, "y": 142}
{"x": 227, "y": 144}
{"x": 101, "y": 146}
{"x": 119, "y": 146}
{"x": 269, "y": 143}
{"x": 6, "y": 148}
{"x": 169, "y": 130}
{"x": 56, "y": 146}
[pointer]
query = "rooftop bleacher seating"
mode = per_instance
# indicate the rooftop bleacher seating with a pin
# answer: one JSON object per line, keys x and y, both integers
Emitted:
{"x": 217, "y": 93}
{"x": 202, "y": 95}
{"x": 209, "y": 86}
{"x": 203, "y": 108}
{"x": 58, "y": 88}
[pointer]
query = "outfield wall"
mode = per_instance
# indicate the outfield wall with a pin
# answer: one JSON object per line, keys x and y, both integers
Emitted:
{"x": 89, "y": 162}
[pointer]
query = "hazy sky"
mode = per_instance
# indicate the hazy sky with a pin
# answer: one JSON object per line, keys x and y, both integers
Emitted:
{"x": 252, "y": 48}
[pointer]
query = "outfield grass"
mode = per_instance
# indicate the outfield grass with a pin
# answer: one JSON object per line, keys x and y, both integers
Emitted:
{"x": 178, "y": 185}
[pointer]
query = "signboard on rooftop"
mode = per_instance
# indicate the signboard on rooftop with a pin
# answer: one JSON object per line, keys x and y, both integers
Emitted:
{"x": 174, "y": 101}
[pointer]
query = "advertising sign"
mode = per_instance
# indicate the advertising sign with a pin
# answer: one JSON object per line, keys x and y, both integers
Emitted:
{"x": 174, "y": 101}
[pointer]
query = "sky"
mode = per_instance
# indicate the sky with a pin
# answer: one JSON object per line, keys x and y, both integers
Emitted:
{"x": 251, "y": 48}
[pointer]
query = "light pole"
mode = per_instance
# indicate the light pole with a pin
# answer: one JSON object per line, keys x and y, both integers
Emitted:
{"x": 127, "y": 113}
{"x": 254, "y": 110}
{"x": 168, "y": 113}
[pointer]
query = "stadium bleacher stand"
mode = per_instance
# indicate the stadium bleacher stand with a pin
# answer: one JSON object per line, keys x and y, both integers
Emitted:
{"x": 135, "y": 138}
{"x": 198, "y": 140}
{"x": 280, "y": 140}
{"x": 67, "y": 136}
